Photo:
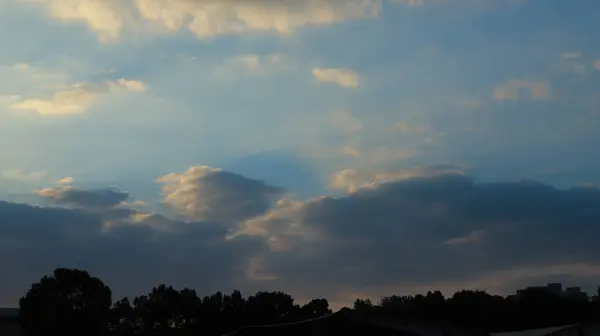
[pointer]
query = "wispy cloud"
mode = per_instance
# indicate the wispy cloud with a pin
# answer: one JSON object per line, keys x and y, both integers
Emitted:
{"x": 343, "y": 77}
{"x": 351, "y": 180}
{"x": 571, "y": 55}
{"x": 20, "y": 175}
{"x": 260, "y": 64}
{"x": 511, "y": 90}
{"x": 346, "y": 122}
{"x": 76, "y": 98}
{"x": 404, "y": 127}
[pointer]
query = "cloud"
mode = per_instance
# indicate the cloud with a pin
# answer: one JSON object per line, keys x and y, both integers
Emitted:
{"x": 597, "y": 64}
{"x": 67, "y": 195}
{"x": 409, "y": 2}
{"x": 428, "y": 230}
{"x": 207, "y": 18}
{"x": 123, "y": 247}
{"x": 387, "y": 154}
{"x": 279, "y": 228}
{"x": 343, "y": 77}
{"x": 76, "y": 98}
{"x": 346, "y": 122}
{"x": 420, "y": 228}
{"x": 37, "y": 74}
{"x": 471, "y": 237}
{"x": 351, "y": 180}
{"x": 351, "y": 151}
{"x": 404, "y": 127}
{"x": 128, "y": 84}
{"x": 572, "y": 63}
{"x": 204, "y": 193}
{"x": 255, "y": 64}
{"x": 106, "y": 17}
{"x": 73, "y": 100}
{"x": 511, "y": 90}
{"x": 8, "y": 100}
{"x": 571, "y": 55}
{"x": 19, "y": 175}
{"x": 65, "y": 180}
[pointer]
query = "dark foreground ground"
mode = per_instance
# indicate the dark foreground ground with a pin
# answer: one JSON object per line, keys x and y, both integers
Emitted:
{"x": 335, "y": 324}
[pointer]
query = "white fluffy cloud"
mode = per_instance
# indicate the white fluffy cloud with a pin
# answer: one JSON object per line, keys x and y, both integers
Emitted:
{"x": 343, "y": 77}
{"x": 74, "y": 99}
{"x": 208, "y": 18}
{"x": 211, "y": 18}
{"x": 106, "y": 17}
{"x": 511, "y": 90}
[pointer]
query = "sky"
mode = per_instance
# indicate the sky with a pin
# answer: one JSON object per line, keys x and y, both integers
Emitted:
{"x": 326, "y": 148}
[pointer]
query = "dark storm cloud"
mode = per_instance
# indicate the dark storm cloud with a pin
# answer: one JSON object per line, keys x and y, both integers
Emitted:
{"x": 430, "y": 230}
{"x": 417, "y": 231}
{"x": 131, "y": 251}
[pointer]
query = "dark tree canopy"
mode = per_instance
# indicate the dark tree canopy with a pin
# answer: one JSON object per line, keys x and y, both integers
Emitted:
{"x": 70, "y": 302}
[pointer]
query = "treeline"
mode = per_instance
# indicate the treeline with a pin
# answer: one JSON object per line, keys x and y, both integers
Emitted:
{"x": 478, "y": 310}
{"x": 71, "y": 302}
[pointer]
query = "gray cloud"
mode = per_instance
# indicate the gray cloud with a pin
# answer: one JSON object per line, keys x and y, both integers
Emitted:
{"x": 431, "y": 230}
{"x": 99, "y": 198}
{"x": 206, "y": 193}
{"x": 130, "y": 250}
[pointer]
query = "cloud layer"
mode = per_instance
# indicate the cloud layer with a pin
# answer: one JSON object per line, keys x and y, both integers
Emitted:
{"x": 425, "y": 227}
{"x": 207, "y": 19}
{"x": 430, "y": 229}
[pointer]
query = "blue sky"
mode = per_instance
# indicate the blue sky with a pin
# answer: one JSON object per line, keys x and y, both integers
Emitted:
{"x": 232, "y": 115}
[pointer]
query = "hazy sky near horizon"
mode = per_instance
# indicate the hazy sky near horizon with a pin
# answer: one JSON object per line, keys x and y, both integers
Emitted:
{"x": 371, "y": 146}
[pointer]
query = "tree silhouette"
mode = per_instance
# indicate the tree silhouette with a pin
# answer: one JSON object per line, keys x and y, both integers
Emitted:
{"x": 315, "y": 308}
{"x": 362, "y": 305}
{"x": 122, "y": 318}
{"x": 70, "y": 302}
{"x": 269, "y": 307}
